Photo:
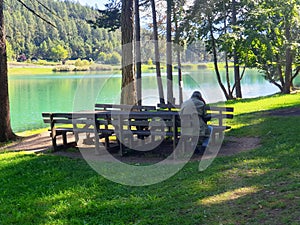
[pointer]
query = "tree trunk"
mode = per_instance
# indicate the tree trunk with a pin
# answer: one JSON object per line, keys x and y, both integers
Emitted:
{"x": 170, "y": 97}
{"x": 237, "y": 78}
{"x": 157, "y": 57}
{"x": 138, "y": 53}
{"x": 215, "y": 57}
{"x": 128, "y": 93}
{"x": 288, "y": 61}
{"x": 180, "y": 82}
{"x": 177, "y": 47}
{"x": 5, "y": 127}
{"x": 226, "y": 63}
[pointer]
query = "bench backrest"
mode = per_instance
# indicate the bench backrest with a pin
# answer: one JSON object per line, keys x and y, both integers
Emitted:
{"x": 216, "y": 112}
{"x": 220, "y": 113}
{"x": 168, "y": 106}
{"x": 78, "y": 121}
{"x": 124, "y": 107}
{"x": 57, "y": 118}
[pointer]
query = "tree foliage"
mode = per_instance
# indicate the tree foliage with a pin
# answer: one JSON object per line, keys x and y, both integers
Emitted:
{"x": 109, "y": 18}
{"x": 272, "y": 30}
{"x": 29, "y": 35}
{"x": 263, "y": 34}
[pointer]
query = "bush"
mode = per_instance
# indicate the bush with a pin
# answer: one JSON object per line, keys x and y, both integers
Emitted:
{"x": 82, "y": 63}
{"x": 202, "y": 66}
{"x": 113, "y": 58}
{"x": 63, "y": 68}
{"x": 150, "y": 62}
{"x": 102, "y": 57}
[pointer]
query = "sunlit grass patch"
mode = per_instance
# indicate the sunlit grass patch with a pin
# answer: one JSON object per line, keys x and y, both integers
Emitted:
{"x": 229, "y": 195}
{"x": 260, "y": 104}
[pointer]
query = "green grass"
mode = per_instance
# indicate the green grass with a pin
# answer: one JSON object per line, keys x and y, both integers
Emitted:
{"x": 261, "y": 186}
{"x": 30, "y": 71}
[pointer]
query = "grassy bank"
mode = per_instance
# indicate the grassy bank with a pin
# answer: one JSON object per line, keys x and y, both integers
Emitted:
{"x": 30, "y": 71}
{"x": 260, "y": 186}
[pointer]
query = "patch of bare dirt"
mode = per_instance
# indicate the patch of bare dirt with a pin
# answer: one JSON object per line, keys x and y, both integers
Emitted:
{"x": 285, "y": 112}
{"x": 233, "y": 145}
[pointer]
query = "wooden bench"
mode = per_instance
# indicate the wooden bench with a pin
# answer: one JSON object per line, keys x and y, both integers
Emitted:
{"x": 60, "y": 125}
{"x": 218, "y": 115}
{"x": 96, "y": 123}
{"x": 76, "y": 123}
{"x": 143, "y": 124}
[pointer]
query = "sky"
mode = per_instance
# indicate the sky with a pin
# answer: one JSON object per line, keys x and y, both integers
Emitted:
{"x": 100, "y": 3}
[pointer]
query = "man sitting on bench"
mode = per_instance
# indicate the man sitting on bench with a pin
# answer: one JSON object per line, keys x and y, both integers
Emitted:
{"x": 197, "y": 102}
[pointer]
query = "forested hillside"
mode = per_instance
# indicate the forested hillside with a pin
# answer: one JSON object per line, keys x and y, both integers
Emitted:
{"x": 29, "y": 36}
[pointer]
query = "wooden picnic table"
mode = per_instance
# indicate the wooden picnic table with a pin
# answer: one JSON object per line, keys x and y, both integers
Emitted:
{"x": 127, "y": 125}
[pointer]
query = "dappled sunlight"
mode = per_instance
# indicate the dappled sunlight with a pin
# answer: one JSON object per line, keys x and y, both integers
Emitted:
{"x": 273, "y": 102}
{"x": 248, "y": 168}
{"x": 229, "y": 195}
{"x": 257, "y": 162}
{"x": 69, "y": 203}
{"x": 241, "y": 123}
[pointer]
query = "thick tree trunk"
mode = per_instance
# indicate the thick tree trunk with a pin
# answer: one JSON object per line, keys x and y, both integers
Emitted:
{"x": 128, "y": 94}
{"x": 157, "y": 57}
{"x": 5, "y": 127}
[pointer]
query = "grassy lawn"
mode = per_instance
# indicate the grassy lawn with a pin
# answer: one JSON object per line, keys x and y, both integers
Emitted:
{"x": 261, "y": 186}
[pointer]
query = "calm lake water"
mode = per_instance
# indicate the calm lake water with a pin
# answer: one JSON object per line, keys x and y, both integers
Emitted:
{"x": 31, "y": 95}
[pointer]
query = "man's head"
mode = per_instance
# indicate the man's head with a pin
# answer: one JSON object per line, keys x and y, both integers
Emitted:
{"x": 197, "y": 94}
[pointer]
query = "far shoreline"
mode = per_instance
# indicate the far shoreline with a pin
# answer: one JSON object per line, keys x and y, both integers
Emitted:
{"x": 28, "y": 68}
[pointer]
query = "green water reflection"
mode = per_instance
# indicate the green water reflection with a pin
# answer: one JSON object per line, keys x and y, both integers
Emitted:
{"x": 31, "y": 95}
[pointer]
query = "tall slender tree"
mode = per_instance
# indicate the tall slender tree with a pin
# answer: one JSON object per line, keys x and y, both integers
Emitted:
{"x": 177, "y": 18}
{"x": 170, "y": 97}
{"x": 236, "y": 65}
{"x": 138, "y": 59}
{"x": 6, "y": 132}
{"x": 157, "y": 54}
{"x": 217, "y": 23}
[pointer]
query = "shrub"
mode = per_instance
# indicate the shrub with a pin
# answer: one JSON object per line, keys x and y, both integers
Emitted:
{"x": 150, "y": 62}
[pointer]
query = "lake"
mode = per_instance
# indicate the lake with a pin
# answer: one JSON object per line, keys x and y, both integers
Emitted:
{"x": 31, "y": 95}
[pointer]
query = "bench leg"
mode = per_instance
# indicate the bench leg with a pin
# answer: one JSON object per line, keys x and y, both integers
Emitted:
{"x": 65, "y": 141}
{"x": 121, "y": 147}
{"x": 54, "y": 144}
{"x": 97, "y": 145}
{"x": 107, "y": 142}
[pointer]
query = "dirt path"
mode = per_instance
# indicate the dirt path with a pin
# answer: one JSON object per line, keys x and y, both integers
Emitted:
{"x": 41, "y": 143}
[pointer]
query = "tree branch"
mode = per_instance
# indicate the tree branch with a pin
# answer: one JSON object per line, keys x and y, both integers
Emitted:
{"x": 33, "y": 12}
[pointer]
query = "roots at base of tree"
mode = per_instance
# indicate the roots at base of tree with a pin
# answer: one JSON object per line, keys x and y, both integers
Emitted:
{"x": 10, "y": 137}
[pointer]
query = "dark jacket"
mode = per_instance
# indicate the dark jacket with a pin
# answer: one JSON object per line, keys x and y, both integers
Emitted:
{"x": 195, "y": 105}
